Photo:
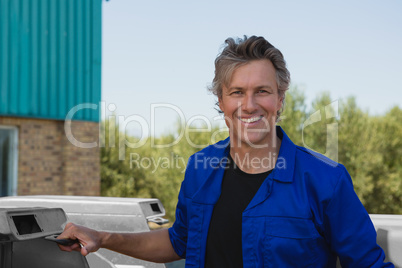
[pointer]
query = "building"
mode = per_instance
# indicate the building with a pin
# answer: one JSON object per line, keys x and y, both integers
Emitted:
{"x": 50, "y": 72}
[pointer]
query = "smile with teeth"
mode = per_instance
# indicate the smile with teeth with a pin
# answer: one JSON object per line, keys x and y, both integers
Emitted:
{"x": 250, "y": 120}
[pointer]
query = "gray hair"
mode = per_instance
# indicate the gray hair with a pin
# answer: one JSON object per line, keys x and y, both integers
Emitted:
{"x": 238, "y": 52}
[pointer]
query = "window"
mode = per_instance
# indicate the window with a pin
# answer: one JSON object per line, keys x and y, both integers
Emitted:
{"x": 8, "y": 160}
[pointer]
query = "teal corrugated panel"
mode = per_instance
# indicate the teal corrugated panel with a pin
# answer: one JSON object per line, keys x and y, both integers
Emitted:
{"x": 25, "y": 57}
{"x": 14, "y": 57}
{"x": 53, "y": 57}
{"x": 34, "y": 66}
{"x": 78, "y": 53}
{"x": 43, "y": 59}
{"x": 71, "y": 35}
{"x": 50, "y": 57}
{"x": 96, "y": 45}
{"x": 87, "y": 54}
{"x": 62, "y": 36}
{"x": 4, "y": 53}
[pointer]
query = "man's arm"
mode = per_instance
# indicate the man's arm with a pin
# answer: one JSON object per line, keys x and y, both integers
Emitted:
{"x": 349, "y": 230}
{"x": 152, "y": 246}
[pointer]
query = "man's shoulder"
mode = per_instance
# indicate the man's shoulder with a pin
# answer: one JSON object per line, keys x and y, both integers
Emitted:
{"x": 315, "y": 159}
{"x": 207, "y": 158}
{"x": 318, "y": 170}
{"x": 203, "y": 163}
{"x": 216, "y": 149}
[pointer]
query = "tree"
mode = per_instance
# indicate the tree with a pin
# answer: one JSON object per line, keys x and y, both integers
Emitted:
{"x": 385, "y": 172}
{"x": 294, "y": 115}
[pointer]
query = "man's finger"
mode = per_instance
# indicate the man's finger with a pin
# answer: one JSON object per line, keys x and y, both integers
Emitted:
{"x": 65, "y": 248}
{"x": 84, "y": 251}
{"x": 68, "y": 225}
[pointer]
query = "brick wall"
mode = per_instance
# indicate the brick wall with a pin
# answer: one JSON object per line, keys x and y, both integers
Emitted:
{"x": 48, "y": 163}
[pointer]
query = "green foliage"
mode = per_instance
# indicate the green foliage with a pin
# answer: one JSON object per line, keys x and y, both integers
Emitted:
{"x": 294, "y": 115}
{"x": 369, "y": 146}
{"x": 385, "y": 170}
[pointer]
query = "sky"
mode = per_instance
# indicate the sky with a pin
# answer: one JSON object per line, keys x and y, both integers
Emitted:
{"x": 158, "y": 56}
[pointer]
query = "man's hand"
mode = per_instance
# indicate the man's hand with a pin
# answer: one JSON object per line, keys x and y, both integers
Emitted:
{"x": 152, "y": 246}
{"x": 89, "y": 240}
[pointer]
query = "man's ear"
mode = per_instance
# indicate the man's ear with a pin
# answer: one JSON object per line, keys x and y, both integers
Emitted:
{"x": 280, "y": 103}
{"x": 220, "y": 101}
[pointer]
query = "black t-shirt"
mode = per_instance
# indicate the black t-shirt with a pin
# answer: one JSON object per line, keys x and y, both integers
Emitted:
{"x": 224, "y": 243}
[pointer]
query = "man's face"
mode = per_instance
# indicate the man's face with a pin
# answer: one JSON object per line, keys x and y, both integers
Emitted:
{"x": 250, "y": 103}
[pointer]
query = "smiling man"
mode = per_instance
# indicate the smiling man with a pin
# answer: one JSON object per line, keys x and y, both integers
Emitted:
{"x": 255, "y": 199}
{"x": 250, "y": 103}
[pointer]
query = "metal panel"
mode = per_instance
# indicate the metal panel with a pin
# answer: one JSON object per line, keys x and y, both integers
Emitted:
{"x": 101, "y": 213}
{"x": 50, "y": 58}
{"x": 24, "y": 233}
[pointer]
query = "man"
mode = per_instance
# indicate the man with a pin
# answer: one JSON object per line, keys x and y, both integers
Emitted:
{"x": 254, "y": 199}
